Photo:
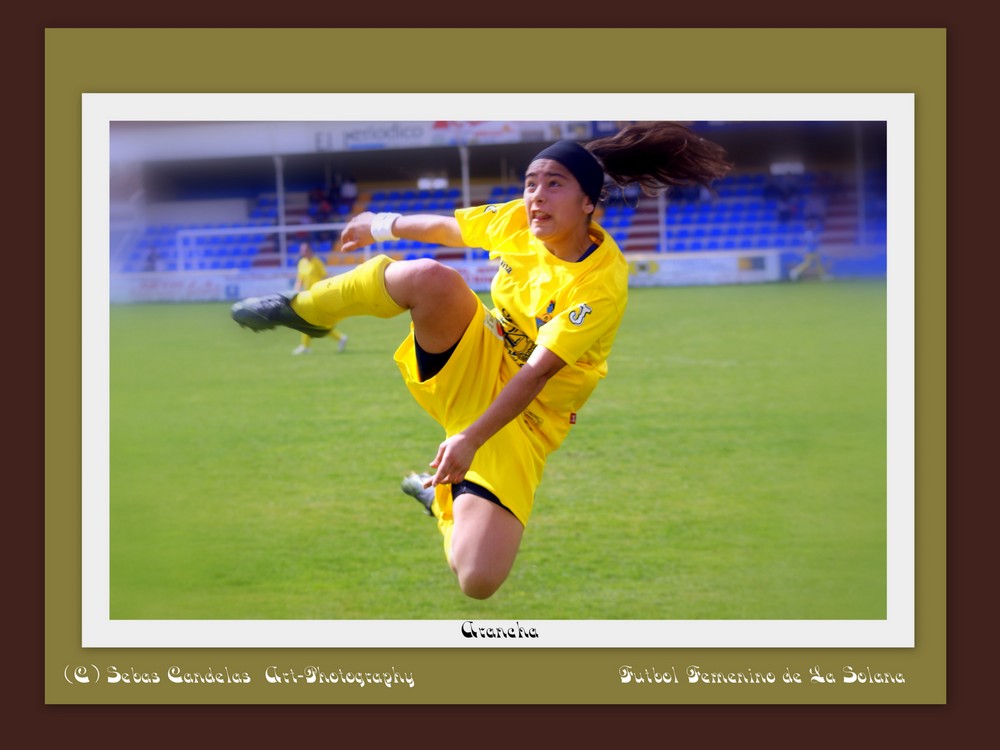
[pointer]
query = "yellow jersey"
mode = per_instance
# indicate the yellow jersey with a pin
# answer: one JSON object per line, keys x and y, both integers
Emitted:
{"x": 310, "y": 270}
{"x": 573, "y": 309}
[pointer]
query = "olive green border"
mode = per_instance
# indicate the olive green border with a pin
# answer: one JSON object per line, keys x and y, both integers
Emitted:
{"x": 79, "y": 61}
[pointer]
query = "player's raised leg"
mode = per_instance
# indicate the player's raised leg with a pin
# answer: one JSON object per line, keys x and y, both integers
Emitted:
{"x": 441, "y": 304}
{"x": 437, "y": 297}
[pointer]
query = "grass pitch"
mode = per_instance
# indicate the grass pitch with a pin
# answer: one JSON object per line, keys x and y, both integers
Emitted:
{"x": 732, "y": 466}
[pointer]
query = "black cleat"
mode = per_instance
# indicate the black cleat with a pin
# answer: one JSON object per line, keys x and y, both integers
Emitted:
{"x": 264, "y": 313}
{"x": 413, "y": 485}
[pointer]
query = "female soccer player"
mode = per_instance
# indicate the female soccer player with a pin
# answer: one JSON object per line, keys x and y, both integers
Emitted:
{"x": 309, "y": 271}
{"x": 504, "y": 383}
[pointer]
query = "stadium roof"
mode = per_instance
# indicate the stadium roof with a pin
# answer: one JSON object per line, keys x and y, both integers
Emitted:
{"x": 402, "y": 152}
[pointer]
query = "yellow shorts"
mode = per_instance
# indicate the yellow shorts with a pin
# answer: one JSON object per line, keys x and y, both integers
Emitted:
{"x": 510, "y": 463}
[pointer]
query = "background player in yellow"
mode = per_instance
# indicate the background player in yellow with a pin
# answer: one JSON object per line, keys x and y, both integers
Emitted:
{"x": 812, "y": 261}
{"x": 309, "y": 271}
{"x": 504, "y": 383}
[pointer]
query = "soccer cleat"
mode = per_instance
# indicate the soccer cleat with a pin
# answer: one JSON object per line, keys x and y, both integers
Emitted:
{"x": 342, "y": 344}
{"x": 264, "y": 313}
{"x": 413, "y": 485}
{"x": 301, "y": 349}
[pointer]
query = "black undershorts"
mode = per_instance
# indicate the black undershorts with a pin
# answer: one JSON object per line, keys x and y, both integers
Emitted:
{"x": 466, "y": 487}
{"x": 429, "y": 365}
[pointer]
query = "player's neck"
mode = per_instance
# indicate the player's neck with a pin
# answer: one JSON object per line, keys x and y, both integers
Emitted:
{"x": 570, "y": 249}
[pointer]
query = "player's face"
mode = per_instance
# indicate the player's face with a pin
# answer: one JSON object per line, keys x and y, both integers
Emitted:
{"x": 554, "y": 201}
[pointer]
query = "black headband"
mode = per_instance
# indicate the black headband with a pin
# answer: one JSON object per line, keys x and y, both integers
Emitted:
{"x": 580, "y": 162}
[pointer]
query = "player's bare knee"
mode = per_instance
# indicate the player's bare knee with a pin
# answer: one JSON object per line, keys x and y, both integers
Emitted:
{"x": 435, "y": 276}
{"x": 477, "y": 584}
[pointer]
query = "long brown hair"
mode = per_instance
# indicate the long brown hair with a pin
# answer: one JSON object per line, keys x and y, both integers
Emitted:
{"x": 660, "y": 155}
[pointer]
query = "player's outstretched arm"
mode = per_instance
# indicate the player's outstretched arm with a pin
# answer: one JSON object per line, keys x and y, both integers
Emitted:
{"x": 455, "y": 454}
{"x": 430, "y": 228}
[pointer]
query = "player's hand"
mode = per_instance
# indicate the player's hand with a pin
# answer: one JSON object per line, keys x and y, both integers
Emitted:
{"x": 454, "y": 457}
{"x": 357, "y": 233}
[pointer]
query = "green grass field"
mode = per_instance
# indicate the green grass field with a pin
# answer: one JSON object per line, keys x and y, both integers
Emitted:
{"x": 732, "y": 466}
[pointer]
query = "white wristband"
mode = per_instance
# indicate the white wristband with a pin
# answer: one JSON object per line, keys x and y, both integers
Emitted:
{"x": 382, "y": 227}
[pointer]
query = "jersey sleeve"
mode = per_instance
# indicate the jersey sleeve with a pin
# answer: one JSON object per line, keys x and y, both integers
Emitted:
{"x": 588, "y": 325}
{"x": 489, "y": 226}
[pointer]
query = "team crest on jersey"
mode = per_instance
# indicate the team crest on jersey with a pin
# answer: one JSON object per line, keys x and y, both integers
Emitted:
{"x": 546, "y": 316}
{"x": 577, "y": 316}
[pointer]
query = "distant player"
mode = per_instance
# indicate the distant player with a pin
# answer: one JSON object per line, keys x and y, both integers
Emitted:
{"x": 812, "y": 262}
{"x": 505, "y": 383}
{"x": 311, "y": 270}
